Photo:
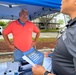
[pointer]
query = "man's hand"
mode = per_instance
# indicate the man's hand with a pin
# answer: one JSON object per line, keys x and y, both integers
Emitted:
{"x": 8, "y": 42}
{"x": 33, "y": 43}
{"x": 39, "y": 70}
{"x": 11, "y": 46}
{"x": 36, "y": 39}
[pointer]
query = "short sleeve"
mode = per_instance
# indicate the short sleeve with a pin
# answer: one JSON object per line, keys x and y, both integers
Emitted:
{"x": 35, "y": 28}
{"x": 8, "y": 29}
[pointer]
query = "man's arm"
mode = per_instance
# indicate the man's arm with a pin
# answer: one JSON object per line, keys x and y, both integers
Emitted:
{"x": 36, "y": 39}
{"x": 37, "y": 36}
{"x": 8, "y": 41}
{"x": 39, "y": 70}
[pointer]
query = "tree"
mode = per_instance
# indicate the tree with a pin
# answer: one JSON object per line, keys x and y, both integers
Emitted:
{"x": 2, "y": 23}
{"x": 46, "y": 19}
{"x": 60, "y": 21}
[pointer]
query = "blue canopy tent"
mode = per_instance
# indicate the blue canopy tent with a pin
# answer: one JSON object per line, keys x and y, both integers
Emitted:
{"x": 9, "y": 9}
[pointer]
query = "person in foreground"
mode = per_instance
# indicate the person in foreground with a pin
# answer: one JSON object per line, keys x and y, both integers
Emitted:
{"x": 21, "y": 30}
{"x": 64, "y": 55}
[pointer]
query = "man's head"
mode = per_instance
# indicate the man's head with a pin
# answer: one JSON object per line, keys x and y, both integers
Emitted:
{"x": 23, "y": 15}
{"x": 69, "y": 7}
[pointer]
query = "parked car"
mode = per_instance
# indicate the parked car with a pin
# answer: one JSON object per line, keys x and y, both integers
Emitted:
{"x": 1, "y": 29}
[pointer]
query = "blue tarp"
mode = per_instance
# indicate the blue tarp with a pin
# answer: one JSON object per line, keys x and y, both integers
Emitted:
{"x": 35, "y": 8}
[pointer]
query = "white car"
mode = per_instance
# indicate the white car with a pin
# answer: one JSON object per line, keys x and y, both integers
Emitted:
{"x": 1, "y": 29}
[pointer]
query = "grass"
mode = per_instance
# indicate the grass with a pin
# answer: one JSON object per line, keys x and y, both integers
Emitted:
{"x": 39, "y": 40}
{"x": 46, "y": 39}
{"x": 41, "y": 44}
{"x": 49, "y": 30}
{"x": 3, "y": 40}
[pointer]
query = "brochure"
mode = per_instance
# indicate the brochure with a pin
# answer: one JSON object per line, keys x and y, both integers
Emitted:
{"x": 33, "y": 56}
{"x": 47, "y": 64}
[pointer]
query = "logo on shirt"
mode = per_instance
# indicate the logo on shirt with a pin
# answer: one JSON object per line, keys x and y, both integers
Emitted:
{"x": 64, "y": 36}
{"x": 30, "y": 29}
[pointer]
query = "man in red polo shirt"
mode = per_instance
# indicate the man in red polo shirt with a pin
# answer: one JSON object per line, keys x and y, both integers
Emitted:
{"x": 21, "y": 30}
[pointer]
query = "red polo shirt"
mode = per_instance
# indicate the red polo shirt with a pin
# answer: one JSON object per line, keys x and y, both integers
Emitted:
{"x": 22, "y": 35}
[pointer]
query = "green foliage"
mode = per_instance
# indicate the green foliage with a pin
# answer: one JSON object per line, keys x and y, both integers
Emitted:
{"x": 49, "y": 30}
{"x": 46, "y": 39}
{"x": 2, "y": 23}
{"x": 60, "y": 21}
{"x": 45, "y": 19}
{"x": 39, "y": 40}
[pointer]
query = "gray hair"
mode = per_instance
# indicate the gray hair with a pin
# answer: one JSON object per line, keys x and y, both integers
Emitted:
{"x": 23, "y": 11}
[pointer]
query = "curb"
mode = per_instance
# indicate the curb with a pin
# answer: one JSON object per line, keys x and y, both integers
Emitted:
{"x": 10, "y": 53}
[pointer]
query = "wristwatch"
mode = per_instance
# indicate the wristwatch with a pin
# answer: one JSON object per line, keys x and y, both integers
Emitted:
{"x": 46, "y": 72}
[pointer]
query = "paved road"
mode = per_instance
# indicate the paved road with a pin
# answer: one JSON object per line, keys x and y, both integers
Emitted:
{"x": 42, "y": 35}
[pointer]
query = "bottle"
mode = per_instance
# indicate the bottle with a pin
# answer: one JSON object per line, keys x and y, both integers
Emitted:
{"x": 45, "y": 53}
{"x": 50, "y": 55}
{"x": 5, "y": 73}
{"x": 16, "y": 73}
{"x": 3, "y": 66}
{"x": 10, "y": 72}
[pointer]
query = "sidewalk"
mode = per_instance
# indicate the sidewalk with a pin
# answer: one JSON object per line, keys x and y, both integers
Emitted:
{"x": 42, "y": 35}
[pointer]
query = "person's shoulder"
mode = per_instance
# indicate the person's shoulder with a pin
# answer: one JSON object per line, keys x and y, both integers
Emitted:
{"x": 30, "y": 23}
{"x": 14, "y": 21}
